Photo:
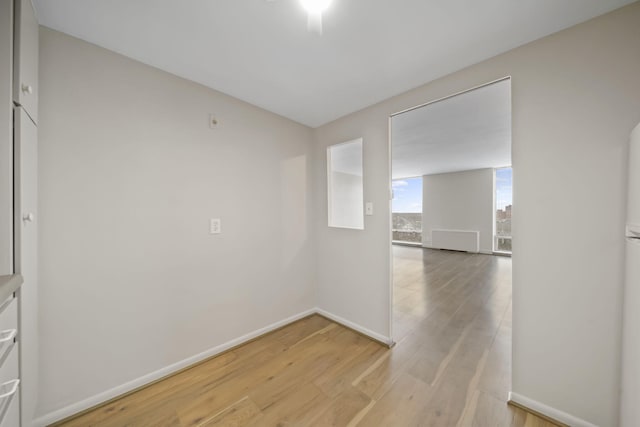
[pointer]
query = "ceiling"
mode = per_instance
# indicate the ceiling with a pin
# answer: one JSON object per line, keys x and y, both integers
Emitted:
{"x": 261, "y": 52}
{"x": 468, "y": 131}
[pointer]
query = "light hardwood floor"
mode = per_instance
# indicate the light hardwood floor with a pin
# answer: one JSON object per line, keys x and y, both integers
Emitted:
{"x": 450, "y": 367}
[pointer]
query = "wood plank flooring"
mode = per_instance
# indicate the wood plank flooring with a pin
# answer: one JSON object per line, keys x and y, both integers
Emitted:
{"x": 450, "y": 367}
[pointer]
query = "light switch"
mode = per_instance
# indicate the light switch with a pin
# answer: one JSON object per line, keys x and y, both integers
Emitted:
{"x": 368, "y": 208}
{"x": 215, "y": 226}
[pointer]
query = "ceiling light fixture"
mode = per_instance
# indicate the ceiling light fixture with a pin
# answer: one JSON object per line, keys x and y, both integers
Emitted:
{"x": 314, "y": 10}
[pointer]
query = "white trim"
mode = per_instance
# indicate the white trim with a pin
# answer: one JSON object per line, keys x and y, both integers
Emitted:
{"x": 115, "y": 392}
{"x": 390, "y": 224}
{"x": 452, "y": 95}
{"x": 548, "y": 411}
{"x": 105, "y": 396}
{"x": 368, "y": 332}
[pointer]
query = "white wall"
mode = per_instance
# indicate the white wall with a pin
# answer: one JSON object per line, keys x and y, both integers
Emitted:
{"x": 6, "y": 138}
{"x": 576, "y": 97}
{"x": 459, "y": 201}
{"x": 130, "y": 173}
{"x": 346, "y": 197}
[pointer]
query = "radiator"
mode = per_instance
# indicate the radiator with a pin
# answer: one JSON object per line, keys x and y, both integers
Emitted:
{"x": 456, "y": 240}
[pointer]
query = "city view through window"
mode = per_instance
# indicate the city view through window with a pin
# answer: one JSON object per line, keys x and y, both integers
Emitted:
{"x": 504, "y": 203}
{"x": 407, "y": 210}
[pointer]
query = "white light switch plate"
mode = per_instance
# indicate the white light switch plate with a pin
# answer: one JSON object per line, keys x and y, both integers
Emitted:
{"x": 215, "y": 226}
{"x": 368, "y": 208}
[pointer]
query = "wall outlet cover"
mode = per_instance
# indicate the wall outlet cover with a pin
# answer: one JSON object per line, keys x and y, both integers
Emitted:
{"x": 368, "y": 208}
{"x": 215, "y": 226}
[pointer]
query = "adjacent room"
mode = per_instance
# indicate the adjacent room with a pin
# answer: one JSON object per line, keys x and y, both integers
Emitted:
{"x": 318, "y": 213}
{"x": 452, "y": 285}
{"x": 452, "y": 198}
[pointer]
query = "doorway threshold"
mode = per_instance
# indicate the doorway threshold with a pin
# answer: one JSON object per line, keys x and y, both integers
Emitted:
{"x": 401, "y": 243}
{"x": 500, "y": 253}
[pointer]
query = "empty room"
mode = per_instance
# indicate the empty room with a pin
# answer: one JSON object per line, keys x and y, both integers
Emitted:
{"x": 319, "y": 213}
{"x": 451, "y": 233}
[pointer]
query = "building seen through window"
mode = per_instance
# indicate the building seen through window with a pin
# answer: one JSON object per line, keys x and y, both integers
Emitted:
{"x": 504, "y": 206}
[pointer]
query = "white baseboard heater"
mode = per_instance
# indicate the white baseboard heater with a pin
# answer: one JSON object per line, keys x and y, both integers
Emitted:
{"x": 456, "y": 240}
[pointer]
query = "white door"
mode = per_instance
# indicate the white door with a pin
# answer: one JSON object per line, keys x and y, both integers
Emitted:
{"x": 26, "y": 257}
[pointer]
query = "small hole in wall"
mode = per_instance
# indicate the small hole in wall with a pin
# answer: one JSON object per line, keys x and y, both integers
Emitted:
{"x": 213, "y": 121}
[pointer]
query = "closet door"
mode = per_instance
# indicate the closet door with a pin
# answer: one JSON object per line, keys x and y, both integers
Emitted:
{"x": 26, "y": 257}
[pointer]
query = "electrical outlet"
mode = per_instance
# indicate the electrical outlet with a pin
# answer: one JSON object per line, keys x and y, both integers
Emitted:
{"x": 215, "y": 226}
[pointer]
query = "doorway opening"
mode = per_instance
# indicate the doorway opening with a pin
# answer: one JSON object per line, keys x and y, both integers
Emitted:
{"x": 451, "y": 176}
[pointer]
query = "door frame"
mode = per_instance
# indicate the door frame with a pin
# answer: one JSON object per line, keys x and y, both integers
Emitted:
{"x": 390, "y": 175}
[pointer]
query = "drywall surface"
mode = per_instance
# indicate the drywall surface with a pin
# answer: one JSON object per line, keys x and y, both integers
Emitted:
{"x": 346, "y": 195}
{"x": 459, "y": 201}
{"x": 131, "y": 173}
{"x": 6, "y": 139}
{"x": 576, "y": 97}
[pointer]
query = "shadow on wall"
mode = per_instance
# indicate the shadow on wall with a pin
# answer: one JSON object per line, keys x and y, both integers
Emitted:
{"x": 294, "y": 207}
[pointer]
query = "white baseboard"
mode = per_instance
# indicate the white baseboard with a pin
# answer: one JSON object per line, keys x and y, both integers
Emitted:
{"x": 105, "y": 396}
{"x": 553, "y": 413}
{"x": 349, "y": 324}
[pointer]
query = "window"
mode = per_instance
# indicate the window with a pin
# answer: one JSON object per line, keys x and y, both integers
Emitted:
{"x": 504, "y": 203}
{"x": 407, "y": 210}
